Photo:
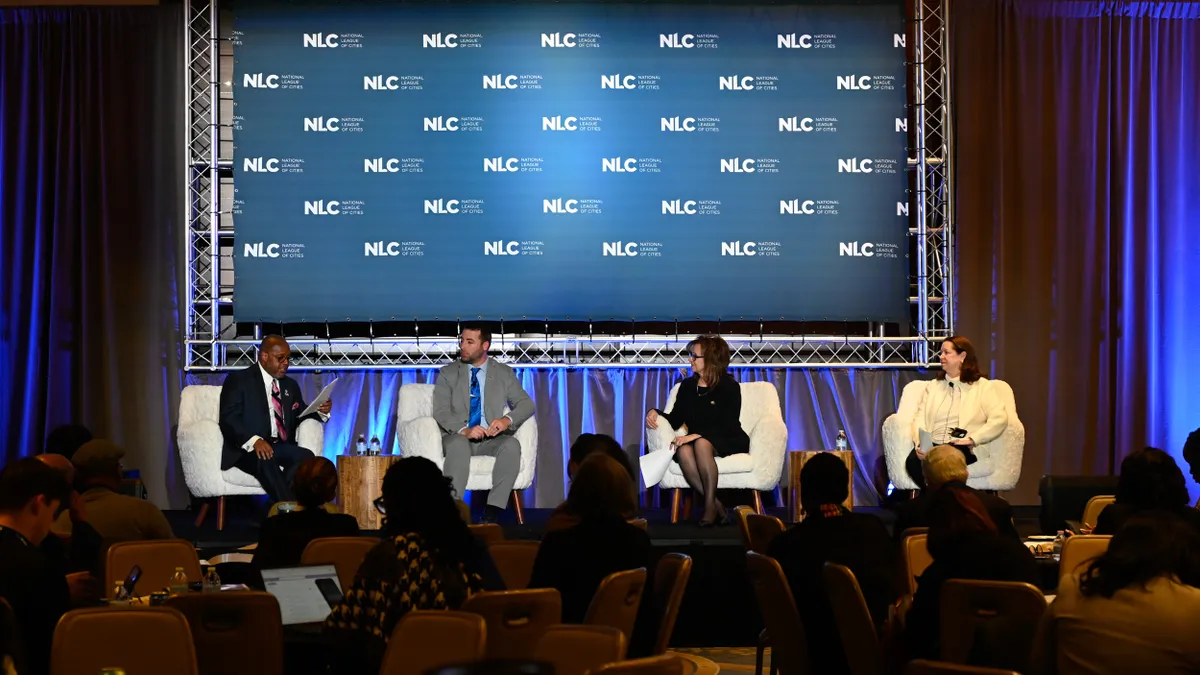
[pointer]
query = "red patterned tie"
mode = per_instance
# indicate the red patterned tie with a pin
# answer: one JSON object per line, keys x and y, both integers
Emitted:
{"x": 277, "y": 409}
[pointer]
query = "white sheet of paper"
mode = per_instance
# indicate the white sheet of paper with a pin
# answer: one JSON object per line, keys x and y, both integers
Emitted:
{"x": 321, "y": 398}
{"x": 926, "y": 440}
{"x": 654, "y": 466}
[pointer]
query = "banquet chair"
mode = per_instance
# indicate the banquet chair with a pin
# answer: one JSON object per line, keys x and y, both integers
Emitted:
{"x": 516, "y": 620}
{"x": 158, "y": 559}
{"x": 346, "y": 554}
{"x": 670, "y": 582}
{"x": 616, "y": 601}
{"x": 425, "y": 640}
{"x": 575, "y": 649}
{"x": 234, "y": 633}
{"x": 139, "y": 639}
{"x": 514, "y": 561}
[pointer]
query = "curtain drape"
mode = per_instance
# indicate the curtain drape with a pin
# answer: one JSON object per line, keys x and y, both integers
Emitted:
{"x": 91, "y": 227}
{"x": 1078, "y": 213}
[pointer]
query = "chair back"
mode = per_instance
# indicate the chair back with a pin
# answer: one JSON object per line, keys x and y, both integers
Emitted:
{"x": 1091, "y": 512}
{"x": 514, "y": 561}
{"x": 292, "y": 507}
{"x": 199, "y": 402}
{"x": 617, "y": 600}
{"x": 158, "y": 559}
{"x": 860, "y": 642}
{"x": 425, "y": 640}
{"x": 760, "y": 401}
{"x": 670, "y": 581}
{"x": 138, "y": 640}
{"x": 344, "y": 553}
{"x": 416, "y": 400}
{"x": 779, "y": 613}
{"x": 915, "y": 556}
{"x": 923, "y": 667}
{"x": 762, "y": 530}
{"x": 639, "y": 523}
{"x": 233, "y": 557}
{"x": 739, "y": 517}
{"x": 666, "y": 664}
{"x": 516, "y": 620}
{"x": 1080, "y": 549}
{"x": 968, "y": 603}
{"x": 234, "y": 633}
{"x": 490, "y": 533}
{"x": 575, "y": 650}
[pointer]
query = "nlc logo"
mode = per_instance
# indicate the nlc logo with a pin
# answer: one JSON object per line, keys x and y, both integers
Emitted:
{"x": 439, "y": 41}
{"x": 796, "y": 207}
{"x": 676, "y": 41}
{"x": 381, "y": 165}
{"x": 737, "y": 165}
{"x": 260, "y": 81}
{"x": 795, "y": 124}
{"x": 441, "y": 124}
{"x": 620, "y": 249}
{"x": 793, "y": 41}
{"x": 618, "y": 82}
{"x": 736, "y": 83}
{"x": 260, "y": 165}
{"x": 321, "y": 124}
{"x": 321, "y": 40}
{"x": 441, "y": 206}
{"x": 856, "y": 250}
{"x": 501, "y": 248}
{"x": 501, "y": 164}
{"x": 381, "y": 249}
{"x": 854, "y": 165}
{"x": 322, "y": 208}
{"x": 260, "y": 250}
{"x": 738, "y": 248}
{"x": 678, "y": 207}
{"x": 852, "y": 83}
{"x": 499, "y": 81}
{"x": 560, "y": 123}
{"x": 558, "y": 40}
{"x": 677, "y": 124}
{"x": 618, "y": 165}
{"x": 560, "y": 205}
{"x": 380, "y": 82}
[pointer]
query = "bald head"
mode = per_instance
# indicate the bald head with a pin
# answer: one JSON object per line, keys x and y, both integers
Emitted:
{"x": 60, "y": 464}
{"x": 274, "y": 355}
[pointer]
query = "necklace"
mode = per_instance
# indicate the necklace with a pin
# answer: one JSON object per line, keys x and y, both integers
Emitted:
{"x": 706, "y": 392}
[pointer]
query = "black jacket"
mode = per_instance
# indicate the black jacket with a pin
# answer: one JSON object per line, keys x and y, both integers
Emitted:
{"x": 284, "y": 536}
{"x": 915, "y": 512}
{"x": 37, "y": 590}
{"x": 244, "y": 411}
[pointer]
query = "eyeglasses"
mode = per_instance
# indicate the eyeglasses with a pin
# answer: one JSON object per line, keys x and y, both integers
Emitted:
{"x": 379, "y": 506}
{"x": 694, "y": 356}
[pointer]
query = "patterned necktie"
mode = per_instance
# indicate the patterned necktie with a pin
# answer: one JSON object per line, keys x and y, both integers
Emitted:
{"x": 476, "y": 400}
{"x": 277, "y": 410}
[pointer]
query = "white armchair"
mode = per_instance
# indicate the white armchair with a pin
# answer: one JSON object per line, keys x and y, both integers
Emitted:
{"x": 759, "y": 470}
{"x": 200, "y": 443}
{"x": 420, "y": 436}
{"x": 999, "y": 465}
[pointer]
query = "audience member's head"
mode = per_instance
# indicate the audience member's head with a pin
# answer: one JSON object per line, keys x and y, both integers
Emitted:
{"x": 98, "y": 464}
{"x": 601, "y": 488}
{"x": 1148, "y": 545}
{"x": 60, "y": 464}
{"x": 1191, "y": 454}
{"x": 32, "y": 495}
{"x": 66, "y": 439}
{"x": 944, "y": 464}
{"x": 315, "y": 482}
{"x": 586, "y": 444}
{"x": 823, "y": 480}
{"x": 954, "y": 513}
{"x": 418, "y": 498}
{"x": 1150, "y": 479}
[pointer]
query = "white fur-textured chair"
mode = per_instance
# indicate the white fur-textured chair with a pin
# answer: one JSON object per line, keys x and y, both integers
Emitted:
{"x": 420, "y": 436}
{"x": 759, "y": 470}
{"x": 999, "y": 465}
{"x": 200, "y": 443}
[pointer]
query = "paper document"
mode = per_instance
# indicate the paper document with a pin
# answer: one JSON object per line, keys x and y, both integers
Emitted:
{"x": 321, "y": 398}
{"x": 926, "y": 440}
{"x": 654, "y": 466}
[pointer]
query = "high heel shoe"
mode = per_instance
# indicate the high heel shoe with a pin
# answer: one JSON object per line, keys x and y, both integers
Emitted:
{"x": 722, "y": 519}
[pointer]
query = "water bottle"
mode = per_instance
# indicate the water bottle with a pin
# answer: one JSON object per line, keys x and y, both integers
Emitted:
{"x": 375, "y": 445}
{"x": 1058, "y": 544}
{"x": 842, "y": 443}
{"x": 212, "y": 581}
{"x": 179, "y": 582}
{"x": 361, "y": 447}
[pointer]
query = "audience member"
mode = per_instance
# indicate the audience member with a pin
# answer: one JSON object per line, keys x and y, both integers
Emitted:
{"x": 284, "y": 536}
{"x": 583, "y": 447}
{"x": 575, "y": 560}
{"x": 831, "y": 533}
{"x": 1150, "y": 481}
{"x": 76, "y": 555}
{"x": 66, "y": 439}
{"x": 945, "y": 465}
{"x": 428, "y": 559}
{"x": 31, "y": 496}
{"x": 1191, "y": 455}
{"x": 964, "y": 543}
{"x": 1133, "y": 610}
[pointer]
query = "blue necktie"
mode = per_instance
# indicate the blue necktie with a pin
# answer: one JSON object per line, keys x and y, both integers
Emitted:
{"x": 476, "y": 400}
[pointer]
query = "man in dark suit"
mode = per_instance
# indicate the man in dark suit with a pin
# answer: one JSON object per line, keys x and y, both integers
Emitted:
{"x": 946, "y": 465}
{"x": 469, "y": 401}
{"x": 260, "y": 408}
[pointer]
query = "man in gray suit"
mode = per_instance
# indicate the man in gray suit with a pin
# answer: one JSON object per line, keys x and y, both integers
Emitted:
{"x": 468, "y": 404}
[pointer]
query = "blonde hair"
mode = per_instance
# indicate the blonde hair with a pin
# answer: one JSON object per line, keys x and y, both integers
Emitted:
{"x": 601, "y": 486}
{"x": 944, "y": 464}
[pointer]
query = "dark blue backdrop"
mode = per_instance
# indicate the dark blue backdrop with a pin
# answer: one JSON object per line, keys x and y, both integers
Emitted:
{"x": 569, "y": 161}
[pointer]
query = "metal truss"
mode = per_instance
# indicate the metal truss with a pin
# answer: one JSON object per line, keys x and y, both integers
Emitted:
{"x": 215, "y": 342}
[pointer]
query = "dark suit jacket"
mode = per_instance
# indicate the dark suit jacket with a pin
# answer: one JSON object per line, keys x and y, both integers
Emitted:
{"x": 915, "y": 512}
{"x": 283, "y": 537}
{"x": 244, "y": 411}
{"x": 858, "y": 541}
{"x": 38, "y": 593}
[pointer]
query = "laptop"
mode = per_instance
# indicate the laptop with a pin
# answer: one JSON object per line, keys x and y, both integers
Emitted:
{"x": 305, "y": 593}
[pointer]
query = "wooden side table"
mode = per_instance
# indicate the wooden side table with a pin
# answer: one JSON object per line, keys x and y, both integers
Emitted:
{"x": 360, "y": 482}
{"x": 796, "y": 461}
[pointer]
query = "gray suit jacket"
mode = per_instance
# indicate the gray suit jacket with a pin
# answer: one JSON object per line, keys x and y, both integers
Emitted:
{"x": 452, "y": 396}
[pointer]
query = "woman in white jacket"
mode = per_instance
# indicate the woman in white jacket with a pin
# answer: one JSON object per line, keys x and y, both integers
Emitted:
{"x": 959, "y": 408}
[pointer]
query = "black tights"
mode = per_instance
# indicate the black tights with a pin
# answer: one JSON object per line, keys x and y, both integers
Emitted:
{"x": 698, "y": 461}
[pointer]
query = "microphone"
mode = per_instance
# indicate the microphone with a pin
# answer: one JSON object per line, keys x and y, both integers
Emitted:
{"x": 949, "y": 384}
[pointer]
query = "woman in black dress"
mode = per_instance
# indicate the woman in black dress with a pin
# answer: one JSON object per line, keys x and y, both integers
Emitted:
{"x": 708, "y": 409}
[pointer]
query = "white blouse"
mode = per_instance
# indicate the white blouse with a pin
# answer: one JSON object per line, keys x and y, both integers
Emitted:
{"x": 950, "y": 403}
